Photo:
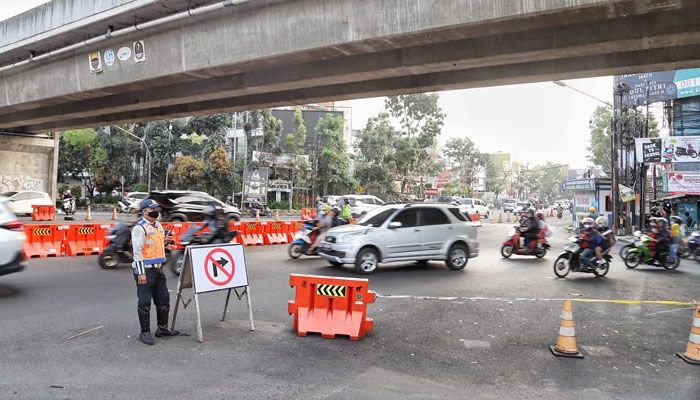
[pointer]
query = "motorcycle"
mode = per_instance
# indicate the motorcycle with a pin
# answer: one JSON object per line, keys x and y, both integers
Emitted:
{"x": 512, "y": 245}
{"x": 627, "y": 247}
{"x": 69, "y": 208}
{"x": 689, "y": 151}
{"x": 560, "y": 212}
{"x": 641, "y": 253}
{"x": 263, "y": 209}
{"x": 303, "y": 241}
{"x": 570, "y": 261}
{"x": 119, "y": 250}
{"x": 127, "y": 206}
{"x": 197, "y": 234}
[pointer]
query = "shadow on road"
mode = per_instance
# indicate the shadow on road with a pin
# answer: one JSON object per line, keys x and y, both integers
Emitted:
{"x": 8, "y": 291}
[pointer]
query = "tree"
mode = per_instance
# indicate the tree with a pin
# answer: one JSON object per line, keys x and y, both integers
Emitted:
{"x": 467, "y": 159}
{"x": 214, "y": 127}
{"x": 189, "y": 173}
{"x": 553, "y": 175}
{"x": 81, "y": 156}
{"x": 375, "y": 158}
{"x": 421, "y": 120}
{"x": 120, "y": 151}
{"x": 296, "y": 140}
{"x": 332, "y": 161}
{"x": 497, "y": 176}
{"x": 632, "y": 120}
{"x": 216, "y": 173}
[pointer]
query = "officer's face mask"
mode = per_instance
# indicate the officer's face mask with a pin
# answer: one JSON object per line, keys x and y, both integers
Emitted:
{"x": 153, "y": 214}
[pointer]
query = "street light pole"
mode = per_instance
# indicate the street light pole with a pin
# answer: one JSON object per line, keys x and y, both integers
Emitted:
{"x": 148, "y": 152}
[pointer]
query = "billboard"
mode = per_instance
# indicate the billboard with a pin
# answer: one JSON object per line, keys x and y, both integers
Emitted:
{"x": 255, "y": 184}
{"x": 653, "y": 87}
{"x": 682, "y": 182}
{"x": 669, "y": 149}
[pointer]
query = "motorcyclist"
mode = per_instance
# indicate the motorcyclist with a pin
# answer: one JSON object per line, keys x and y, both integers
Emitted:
{"x": 676, "y": 235}
{"x": 67, "y": 194}
{"x": 663, "y": 235}
{"x": 530, "y": 227}
{"x": 216, "y": 224}
{"x": 591, "y": 239}
{"x": 543, "y": 224}
{"x": 602, "y": 228}
{"x": 592, "y": 214}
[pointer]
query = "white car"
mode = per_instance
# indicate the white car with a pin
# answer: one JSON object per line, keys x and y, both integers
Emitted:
{"x": 361, "y": 204}
{"x": 522, "y": 206}
{"x": 135, "y": 199}
{"x": 11, "y": 240}
{"x": 22, "y": 202}
{"x": 472, "y": 206}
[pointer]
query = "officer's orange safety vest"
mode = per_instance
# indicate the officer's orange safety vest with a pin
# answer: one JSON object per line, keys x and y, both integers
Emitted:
{"x": 154, "y": 249}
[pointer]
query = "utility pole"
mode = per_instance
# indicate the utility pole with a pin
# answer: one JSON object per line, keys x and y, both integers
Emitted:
{"x": 148, "y": 151}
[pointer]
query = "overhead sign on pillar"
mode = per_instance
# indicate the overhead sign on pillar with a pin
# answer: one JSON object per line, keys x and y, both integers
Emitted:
{"x": 95, "y": 62}
{"x": 139, "y": 51}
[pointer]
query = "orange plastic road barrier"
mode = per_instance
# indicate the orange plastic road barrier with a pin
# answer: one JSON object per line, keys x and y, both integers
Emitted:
{"x": 44, "y": 240}
{"x": 566, "y": 343}
{"x": 252, "y": 234}
{"x": 692, "y": 353}
{"x": 85, "y": 239}
{"x": 276, "y": 233}
{"x": 177, "y": 229}
{"x": 304, "y": 214}
{"x": 43, "y": 213}
{"x": 331, "y": 306}
{"x": 476, "y": 217}
{"x": 293, "y": 228}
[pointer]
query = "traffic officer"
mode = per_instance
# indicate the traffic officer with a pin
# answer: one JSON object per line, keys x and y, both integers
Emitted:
{"x": 148, "y": 241}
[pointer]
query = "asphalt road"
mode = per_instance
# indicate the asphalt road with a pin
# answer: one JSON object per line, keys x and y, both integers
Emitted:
{"x": 481, "y": 333}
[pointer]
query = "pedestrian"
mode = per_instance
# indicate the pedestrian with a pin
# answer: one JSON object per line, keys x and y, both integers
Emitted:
{"x": 148, "y": 241}
{"x": 688, "y": 220}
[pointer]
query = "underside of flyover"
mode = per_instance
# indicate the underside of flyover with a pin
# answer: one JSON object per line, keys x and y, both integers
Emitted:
{"x": 593, "y": 38}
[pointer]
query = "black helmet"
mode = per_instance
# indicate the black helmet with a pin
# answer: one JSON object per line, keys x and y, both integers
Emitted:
{"x": 531, "y": 212}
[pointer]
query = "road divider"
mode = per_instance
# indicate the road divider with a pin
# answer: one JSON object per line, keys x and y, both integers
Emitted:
{"x": 44, "y": 240}
{"x": 331, "y": 306}
{"x": 43, "y": 213}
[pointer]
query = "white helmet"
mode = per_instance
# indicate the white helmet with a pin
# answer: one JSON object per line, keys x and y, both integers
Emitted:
{"x": 601, "y": 222}
{"x": 588, "y": 223}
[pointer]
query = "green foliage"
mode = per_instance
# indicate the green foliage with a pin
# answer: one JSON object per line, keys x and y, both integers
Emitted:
{"x": 296, "y": 140}
{"x": 332, "y": 161}
{"x": 217, "y": 173}
{"x": 139, "y": 187}
{"x": 189, "y": 173}
{"x": 375, "y": 159}
{"x": 467, "y": 159}
{"x": 81, "y": 156}
{"x": 633, "y": 121}
{"x": 497, "y": 176}
{"x": 421, "y": 120}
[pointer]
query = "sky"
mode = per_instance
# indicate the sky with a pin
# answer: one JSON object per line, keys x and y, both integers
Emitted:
{"x": 535, "y": 123}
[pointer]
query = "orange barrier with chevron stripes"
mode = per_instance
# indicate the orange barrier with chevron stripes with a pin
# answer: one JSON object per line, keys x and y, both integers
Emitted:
{"x": 85, "y": 239}
{"x": 251, "y": 234}
{"x": 44, "y": 240}
{"x": 276, "y": 233}
{"x": 331, "y": 306}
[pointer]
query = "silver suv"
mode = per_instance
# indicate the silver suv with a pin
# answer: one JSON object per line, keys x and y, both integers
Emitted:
{"x": 400, "y": 232}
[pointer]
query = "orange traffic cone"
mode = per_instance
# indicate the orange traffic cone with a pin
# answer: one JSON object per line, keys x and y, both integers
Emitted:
{"x": 476, "y": 217}
{"x": 566, "y": 343}
{"x": 507, "y": 217}
{"x": 551, "y": 213}
{"x": 692, "y": 353}
{"x": 277, "y": 215}
{"x": 88, "y": 216}
{"x": 257, "y": 215}
{"x": 114, "y": 213}
{"x": 500, "y": 217}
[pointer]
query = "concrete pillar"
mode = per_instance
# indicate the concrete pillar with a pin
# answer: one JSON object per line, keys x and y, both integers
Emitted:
{"x": 28, "y": 162}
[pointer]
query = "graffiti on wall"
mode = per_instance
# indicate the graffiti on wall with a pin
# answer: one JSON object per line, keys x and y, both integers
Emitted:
{"x": 16, "y": 183}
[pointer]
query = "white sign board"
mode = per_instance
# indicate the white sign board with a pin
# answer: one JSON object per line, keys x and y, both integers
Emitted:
{"x": 218, "y": 267}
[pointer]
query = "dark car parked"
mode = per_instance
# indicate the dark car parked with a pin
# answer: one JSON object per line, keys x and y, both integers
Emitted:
{"x": 186, "y": 205}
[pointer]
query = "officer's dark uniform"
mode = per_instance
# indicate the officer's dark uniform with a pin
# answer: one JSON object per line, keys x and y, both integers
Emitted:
{"x": 148, "y": 242}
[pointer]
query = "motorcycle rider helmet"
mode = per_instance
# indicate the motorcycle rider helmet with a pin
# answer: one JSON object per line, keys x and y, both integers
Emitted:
{"x": 588, "y": 223}
{"x": 540, "y": 215}
{"x": 601, "y": 222}
{"x": 676, "y": 219}
{"x": 591, "y": 209}
{"x": 531, "y": 212}
{"x": 661, "y": 222}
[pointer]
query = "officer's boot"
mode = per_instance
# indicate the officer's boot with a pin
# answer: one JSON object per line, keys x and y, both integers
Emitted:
{"x": 145, "y": 336}
{"x": 163, "y": 331}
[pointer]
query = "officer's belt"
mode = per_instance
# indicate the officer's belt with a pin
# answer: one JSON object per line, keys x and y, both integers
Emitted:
{"x": 156, "y": 266}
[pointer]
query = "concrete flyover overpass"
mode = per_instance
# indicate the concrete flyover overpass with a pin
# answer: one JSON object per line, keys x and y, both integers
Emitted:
{"x": 83, "y": 63}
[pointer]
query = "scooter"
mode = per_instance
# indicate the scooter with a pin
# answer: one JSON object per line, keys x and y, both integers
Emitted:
{"x": 264, "y": 211}
{"x": 119, "y": 250}
{"x": 689, "y": 151}
{"x": 126, "y": 206}
{"x": 303, "y": 241}
{"x": 69, "y": 208}
{"x": 560, "y": 212}
{"x": 641, "y": 253}
{"x": 570, "y": 260}
{"x": 195, "y": 235}
{"x": 636, "y": 236}
{"x": 512, "y": 245}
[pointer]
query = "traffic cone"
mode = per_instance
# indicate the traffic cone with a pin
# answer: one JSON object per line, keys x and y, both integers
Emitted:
{"x": 257, "y": 215}
{"x": 88, "y": 216}
{"x": 114, "y": 213}
{"x": 500, "y": 217}
{"x": 566, "y": 343}
{"x": 692, "y": 353}
{"x": 551, "y": 213}
{"x": 508, "y": 217}
{"x": 277, "y": 215}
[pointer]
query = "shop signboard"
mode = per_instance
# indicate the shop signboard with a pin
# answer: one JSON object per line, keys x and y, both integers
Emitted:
{"x": 653, "y": 87}
{"x": 669, "y": 149}
{"x": 682, "y": 182}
